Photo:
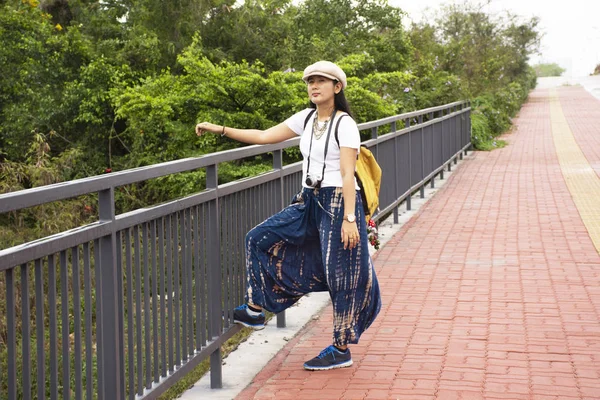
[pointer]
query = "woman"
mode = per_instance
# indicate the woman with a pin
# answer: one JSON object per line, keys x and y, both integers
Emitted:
{"x": 319, "y": 242}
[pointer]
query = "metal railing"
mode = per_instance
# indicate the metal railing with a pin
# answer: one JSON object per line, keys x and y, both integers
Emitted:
{"x": 123, "y": 307}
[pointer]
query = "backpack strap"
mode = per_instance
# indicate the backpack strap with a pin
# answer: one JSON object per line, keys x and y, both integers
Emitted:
{"x": 308, "y": 117}
{"x": 337, "y": 139}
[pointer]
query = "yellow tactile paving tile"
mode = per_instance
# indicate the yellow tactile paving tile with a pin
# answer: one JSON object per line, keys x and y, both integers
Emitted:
{"x": 581, "y": 179}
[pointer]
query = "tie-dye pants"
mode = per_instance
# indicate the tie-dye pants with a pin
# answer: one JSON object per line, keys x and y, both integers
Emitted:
{"x": 299, "y": 250}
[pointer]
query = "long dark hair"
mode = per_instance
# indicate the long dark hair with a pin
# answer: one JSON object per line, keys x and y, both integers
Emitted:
{"x": 340, "y": 102}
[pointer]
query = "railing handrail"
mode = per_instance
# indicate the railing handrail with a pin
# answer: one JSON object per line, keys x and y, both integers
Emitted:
{"x": 64, "y": 190}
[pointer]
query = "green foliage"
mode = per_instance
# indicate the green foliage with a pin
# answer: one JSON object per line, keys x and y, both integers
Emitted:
{"x": 39, "y": 169}
{"x": 485, "y": 51}
{"x": 550, "y": 69}
{"x": 353, "y": 27}
{"x": 36, "y": 58}
{"x": 253, "y": 30}
{"x": 492, "y": 112}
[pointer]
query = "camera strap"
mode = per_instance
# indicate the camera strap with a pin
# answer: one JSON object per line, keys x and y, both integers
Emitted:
{"x": 326, "y": 145}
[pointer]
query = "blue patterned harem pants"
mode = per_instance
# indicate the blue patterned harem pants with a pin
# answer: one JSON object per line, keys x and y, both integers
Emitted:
{"x": 299, "y": 250}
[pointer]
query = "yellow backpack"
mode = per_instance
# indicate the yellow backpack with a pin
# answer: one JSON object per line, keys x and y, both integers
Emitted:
{"x": 368, "y": 174}
{"x": 368, "y": 177}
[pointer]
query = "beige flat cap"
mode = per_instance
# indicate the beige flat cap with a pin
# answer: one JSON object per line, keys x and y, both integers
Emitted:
{"x": 326, "y": 69}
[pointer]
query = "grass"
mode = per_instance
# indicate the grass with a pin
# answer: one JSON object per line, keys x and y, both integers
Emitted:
{"x": 491, "y": 144}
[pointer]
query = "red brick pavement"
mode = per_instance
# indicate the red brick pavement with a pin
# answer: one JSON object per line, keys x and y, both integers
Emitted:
{"x": 491, "y": 291}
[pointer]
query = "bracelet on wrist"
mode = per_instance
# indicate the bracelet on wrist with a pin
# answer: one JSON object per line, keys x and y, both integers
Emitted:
{"x": 223, "y": 131}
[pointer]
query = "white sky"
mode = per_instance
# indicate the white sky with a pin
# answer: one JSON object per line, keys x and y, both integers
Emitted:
{"x": 571, "y": 28}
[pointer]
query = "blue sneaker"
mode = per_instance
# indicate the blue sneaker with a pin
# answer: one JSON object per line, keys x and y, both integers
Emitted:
{"x": 329, "y": 358}
{"x": 241, "y": 316}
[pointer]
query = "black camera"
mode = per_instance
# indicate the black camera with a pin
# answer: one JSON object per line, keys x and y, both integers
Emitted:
{"x": 312, "y": 181}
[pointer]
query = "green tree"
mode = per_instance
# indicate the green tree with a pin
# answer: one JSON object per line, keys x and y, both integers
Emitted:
{"x": 255, "y": 30}
{"x": 360, "y": 26}
{"x": 485, "y": 51}
{"x": 37, "y": 58}
{"x": 548, "y": 69}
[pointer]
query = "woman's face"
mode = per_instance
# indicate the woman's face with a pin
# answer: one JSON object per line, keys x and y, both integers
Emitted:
{"x": 321, "y": 90}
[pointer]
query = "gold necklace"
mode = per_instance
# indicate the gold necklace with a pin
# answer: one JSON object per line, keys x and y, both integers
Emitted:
{"x": 319, "y": 131}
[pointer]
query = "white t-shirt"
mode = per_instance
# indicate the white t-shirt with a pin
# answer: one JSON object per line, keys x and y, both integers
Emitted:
{"x": 348, "y": 135}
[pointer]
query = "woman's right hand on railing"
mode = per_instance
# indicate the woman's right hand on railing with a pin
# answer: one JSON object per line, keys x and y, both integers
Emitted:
{"x": 203, "y": 127}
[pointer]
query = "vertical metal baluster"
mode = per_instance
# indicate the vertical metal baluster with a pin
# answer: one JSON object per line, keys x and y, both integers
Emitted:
{"x": 98, "y": 289}
{"x": 456, "y": 135}
{"x": 77, "y": 323}
{"x": 184, "y": 265}
{"x": 190, "y": 268}
{"x": 248, "y": 226}
{"x": 53, "y": 328}
{"x": 183, "y": 268}
{"x": 12, "y": 335}
{"x": 146, "y": 289}
{"x": 264, "y": 201}
{"x": 202, "y": 280}
{"x": 25, "y": 331}
{"x": 154, "y": 301}
{"x": 163, "y": 291}
{"x": 64, "y": 295}
{"x": 121, "y": 310}
{"x": 138, "y": 311}
{"x": 39, "y": 328}
{"x": 240, "y": 243}
{"x": 226, "y": 256}
{"x": 235, "y": 250}
{"x": 231, "y": 264}
{"x": 170, "y": 248}
{"x": 197, "y": 280}
{"x": 176, "y": 288}
{"x": 130, "y": 313}
{"x": 409, "y": 197}
{"x": 240, "y": 238}
{"x": 87, "y": 293}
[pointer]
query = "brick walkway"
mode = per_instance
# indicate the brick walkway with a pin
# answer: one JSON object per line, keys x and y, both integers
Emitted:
{"x": 492, "y": 291}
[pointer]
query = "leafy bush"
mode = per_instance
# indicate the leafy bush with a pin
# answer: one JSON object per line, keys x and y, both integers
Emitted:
{"x": 492, "y": 112}
{"x": 548, "y": 70}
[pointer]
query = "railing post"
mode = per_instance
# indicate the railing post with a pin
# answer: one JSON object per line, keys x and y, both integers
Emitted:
{"x": 107, "y": 296}
{"x": 451, "y": 111}
{"x": 430, "y": 118}
{"x": 396, "y": 172}
{"x": 442, "y": 144}
{"x": 422, "y": 191}
{"x": 215, "y": 306}
{"x": 409, "y": 197}
{"x": 278, "y": 165}
{"x": 469, "y": 133}
{"x": 456, "y": 134}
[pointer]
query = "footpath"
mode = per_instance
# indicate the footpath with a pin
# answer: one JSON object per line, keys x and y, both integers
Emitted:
{"x": 492, "y": 290}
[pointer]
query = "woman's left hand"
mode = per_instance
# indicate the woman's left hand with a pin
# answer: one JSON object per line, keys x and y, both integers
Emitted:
{"x": 350, "y": 236}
